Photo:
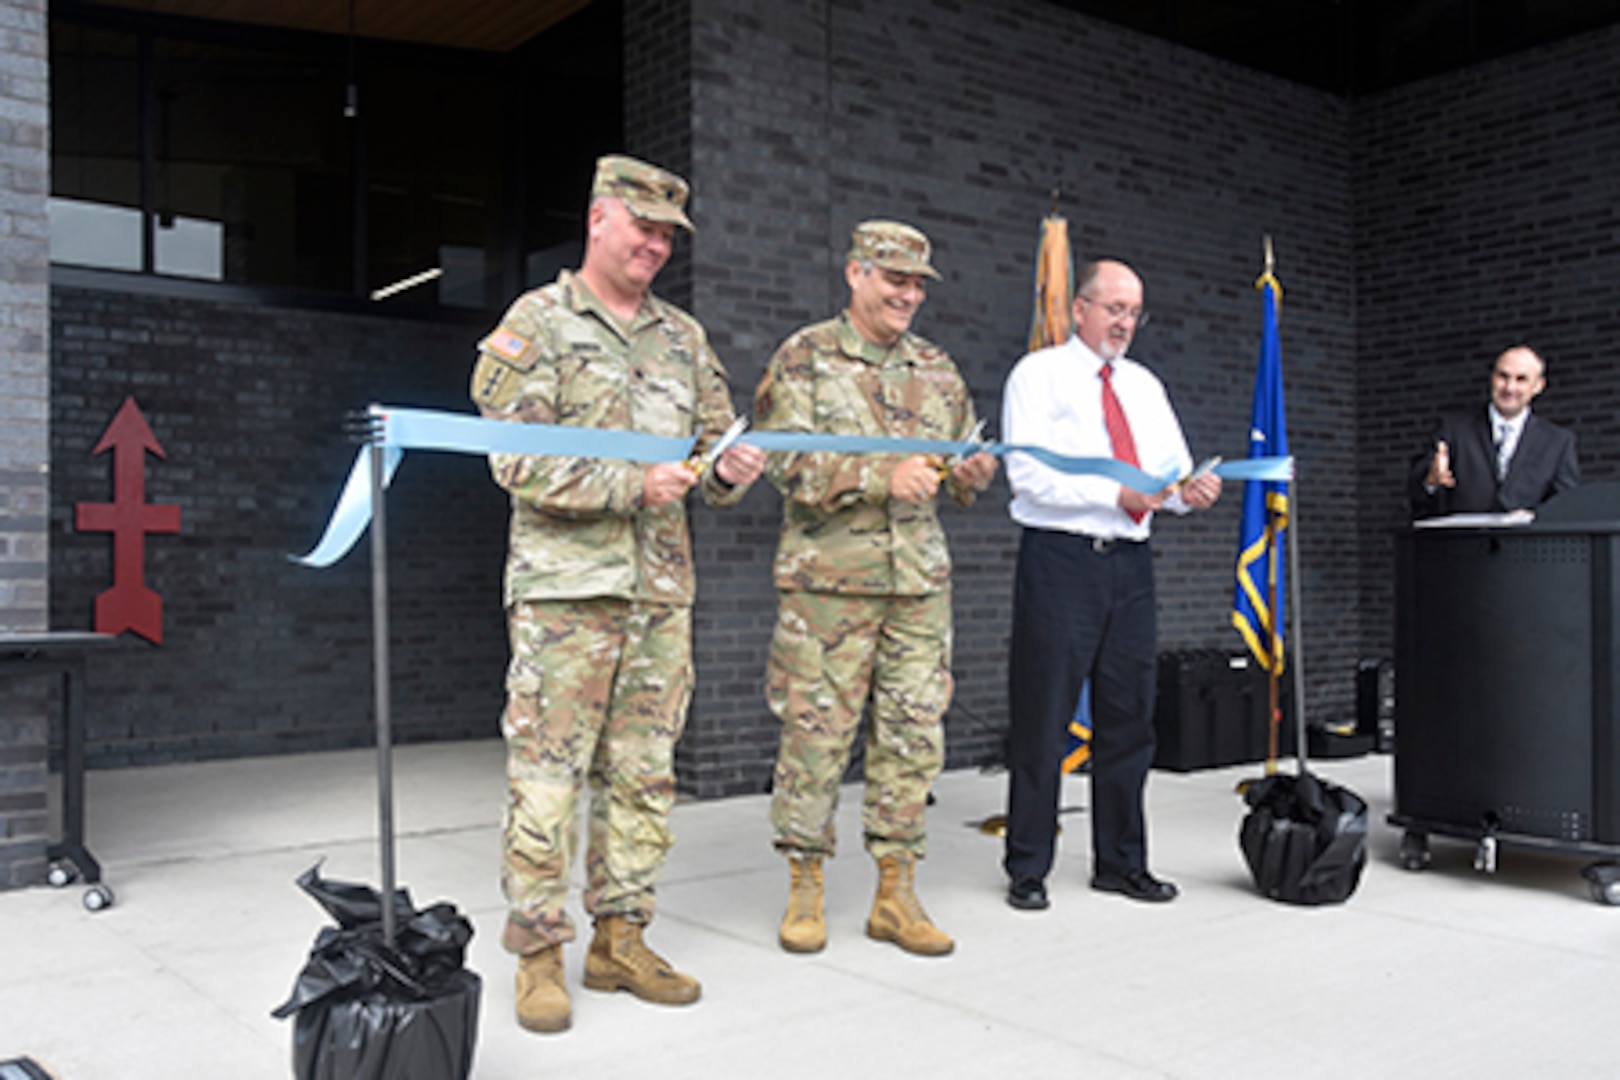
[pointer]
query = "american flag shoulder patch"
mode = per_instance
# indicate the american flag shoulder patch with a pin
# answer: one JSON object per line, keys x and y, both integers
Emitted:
{"x": 507, "y": 345}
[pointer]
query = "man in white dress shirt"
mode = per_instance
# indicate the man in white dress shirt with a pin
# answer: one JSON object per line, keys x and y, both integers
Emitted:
{"x": 1083, "y": 601}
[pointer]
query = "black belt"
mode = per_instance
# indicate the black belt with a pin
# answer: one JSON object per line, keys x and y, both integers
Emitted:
{"x": 1102, "y": 545}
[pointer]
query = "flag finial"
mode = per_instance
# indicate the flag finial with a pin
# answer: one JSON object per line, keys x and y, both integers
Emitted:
{"x": 1271, "y": 261}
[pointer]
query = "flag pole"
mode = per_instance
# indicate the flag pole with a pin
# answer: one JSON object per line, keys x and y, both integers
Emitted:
{"x": 1053, "y": 324}
{"x": 1273, "y": 680}
{"x": 1257, "y": 606}
{"x": 1274, "y": 691}
{"x": 1295, "y": 618}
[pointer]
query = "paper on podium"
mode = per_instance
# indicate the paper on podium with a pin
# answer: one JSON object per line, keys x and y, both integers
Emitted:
{"x": 1506, "y": 518}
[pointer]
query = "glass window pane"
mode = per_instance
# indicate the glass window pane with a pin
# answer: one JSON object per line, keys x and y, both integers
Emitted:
{"x": 95, "y": 148}
{"x": 253, "y": 165}
{"x": 579, "y": 61}
{"x": 190, "y": 247}
{"x": 436, "y": 153}
{"x": 85, "y": 233}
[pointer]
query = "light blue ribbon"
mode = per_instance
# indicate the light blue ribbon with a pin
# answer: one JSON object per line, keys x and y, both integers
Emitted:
{"x": 419, "y": 429}
{"x": 399, "y": 430}
{"x": 352, "y": 513}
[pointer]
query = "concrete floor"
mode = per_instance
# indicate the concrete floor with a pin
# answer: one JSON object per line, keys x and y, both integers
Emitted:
{"x": 1446, "y": 973}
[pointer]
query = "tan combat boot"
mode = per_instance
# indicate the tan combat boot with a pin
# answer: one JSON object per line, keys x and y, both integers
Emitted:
{"x": 620, "y": 960}
{"x": 542, "y": 991}
{"x": 897, "y": 914}
{"x": 804, "y": 927}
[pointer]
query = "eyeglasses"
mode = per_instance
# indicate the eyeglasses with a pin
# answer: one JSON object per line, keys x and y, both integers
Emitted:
{"x": 1137, "y": 315}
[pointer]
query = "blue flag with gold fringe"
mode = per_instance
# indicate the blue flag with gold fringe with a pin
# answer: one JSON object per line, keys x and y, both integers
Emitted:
{"x": 1077, "y": 748}
{"x": 1259, "y": 598}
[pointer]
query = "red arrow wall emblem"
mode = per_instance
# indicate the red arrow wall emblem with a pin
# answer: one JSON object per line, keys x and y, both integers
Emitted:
{"x": 129, "y": 604}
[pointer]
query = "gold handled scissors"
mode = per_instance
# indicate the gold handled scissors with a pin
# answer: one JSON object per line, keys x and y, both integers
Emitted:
{"x": 1204, "y": 468}
{"x": 701, "y": 465}
{"x": 974, "y": 440}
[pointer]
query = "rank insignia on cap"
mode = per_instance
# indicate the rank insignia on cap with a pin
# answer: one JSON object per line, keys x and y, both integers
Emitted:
{"x": 505, "y": 344}
{"x": 648, "y": 192}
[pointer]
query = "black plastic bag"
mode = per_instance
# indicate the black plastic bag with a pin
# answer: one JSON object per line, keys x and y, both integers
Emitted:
{"x": 1305, "y": 839}
{"x": 370, "y": 1011}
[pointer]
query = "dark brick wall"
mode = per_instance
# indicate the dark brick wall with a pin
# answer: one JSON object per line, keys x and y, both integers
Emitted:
{"x": 260, "y": 655}
{"x": 1485, "y": 216}
{"x": 810, "y": 117}
{"x": 658, "y": 108}
{"x": 1396, "y": 222}
{"x": 24, "y": 427}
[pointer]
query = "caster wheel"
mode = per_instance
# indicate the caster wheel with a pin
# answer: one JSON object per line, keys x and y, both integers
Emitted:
{"x": 1603, "y": 879}
{"x": 61, "y": 874}
{"x": 1485, "y": 855}
{"x": 97, "y": 898}
{"x": 1414, "y": 851}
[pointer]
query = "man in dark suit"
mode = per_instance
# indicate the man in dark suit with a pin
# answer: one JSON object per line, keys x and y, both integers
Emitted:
{"x": 1498, "y": 458}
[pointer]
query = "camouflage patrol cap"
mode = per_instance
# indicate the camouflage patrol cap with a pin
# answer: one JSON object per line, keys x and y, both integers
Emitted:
{"x": 649, "y": 192}
{"x": 892, "y": 246}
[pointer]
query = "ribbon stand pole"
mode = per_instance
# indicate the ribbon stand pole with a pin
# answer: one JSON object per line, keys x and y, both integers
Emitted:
{"x": 380, "y": 670}
{"x": 1296, "y": 619}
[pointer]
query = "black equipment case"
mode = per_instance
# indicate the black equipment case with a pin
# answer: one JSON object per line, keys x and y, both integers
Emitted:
{"x": 1211, "y": 710}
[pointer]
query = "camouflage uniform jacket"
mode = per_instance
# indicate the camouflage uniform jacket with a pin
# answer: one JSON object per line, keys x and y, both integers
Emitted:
{"x": 578, "y": 527}
{"x": 840, "y": 530}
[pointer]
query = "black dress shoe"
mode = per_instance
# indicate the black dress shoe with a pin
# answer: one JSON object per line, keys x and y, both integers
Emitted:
{"x": 1136, "y": 884}
{"x": 1028, "y": 894}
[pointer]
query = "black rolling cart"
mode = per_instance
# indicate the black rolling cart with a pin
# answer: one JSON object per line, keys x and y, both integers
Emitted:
{"x": 62, "y": 653}
{"x": 1508, "y": 704}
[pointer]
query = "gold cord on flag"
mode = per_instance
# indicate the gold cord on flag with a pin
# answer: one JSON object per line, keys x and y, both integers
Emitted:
{"x": 1054, "y": 286}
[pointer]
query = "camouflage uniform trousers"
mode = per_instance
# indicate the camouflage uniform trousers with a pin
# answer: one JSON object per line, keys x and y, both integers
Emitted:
{"x": 831, "y": 657}
{"x": 597, "y": 693}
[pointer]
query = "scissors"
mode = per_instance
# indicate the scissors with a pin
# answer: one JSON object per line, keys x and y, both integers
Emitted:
{"x": 974, "y": 440}
{"x": 1205, "y": 467}
{"x": 701, "y": 465}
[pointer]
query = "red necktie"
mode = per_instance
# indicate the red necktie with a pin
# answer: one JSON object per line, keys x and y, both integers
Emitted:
{"x": 1119, "y": 429}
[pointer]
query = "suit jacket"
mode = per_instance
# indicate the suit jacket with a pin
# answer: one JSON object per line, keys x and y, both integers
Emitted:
{"x": 1543, "y": 464}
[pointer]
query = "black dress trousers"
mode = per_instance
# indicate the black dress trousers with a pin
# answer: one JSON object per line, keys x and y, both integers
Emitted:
{"x": 1081, "y": 608}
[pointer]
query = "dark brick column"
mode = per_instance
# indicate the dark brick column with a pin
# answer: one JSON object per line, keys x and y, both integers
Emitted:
{"x": 24, "y": 428}
{"x": 658, "y": 110}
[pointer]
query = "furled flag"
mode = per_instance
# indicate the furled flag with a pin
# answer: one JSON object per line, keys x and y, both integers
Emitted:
{"x": 1054, "y": 286}
{"x": 1259, "y": 598}
{"x": 1052, "y": 324}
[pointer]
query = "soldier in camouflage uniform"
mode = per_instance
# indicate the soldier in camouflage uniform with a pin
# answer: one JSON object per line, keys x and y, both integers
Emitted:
{"x": 863, "y": 576}
{"x": 599, "y": 588}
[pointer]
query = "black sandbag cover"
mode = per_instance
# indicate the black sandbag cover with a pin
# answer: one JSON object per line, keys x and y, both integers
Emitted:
{"x": 1305, "y": 839}
{"x": 370, "y": 1012}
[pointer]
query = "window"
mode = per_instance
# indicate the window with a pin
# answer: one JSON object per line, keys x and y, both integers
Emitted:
{"x": 213, "y": 151}
{"x": 95, "y": 202}
{"x": 251, "y": 165}
{"x": 436, "y": 151}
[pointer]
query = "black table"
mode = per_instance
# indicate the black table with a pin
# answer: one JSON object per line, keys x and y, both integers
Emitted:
{"x": 62, "y": 653}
